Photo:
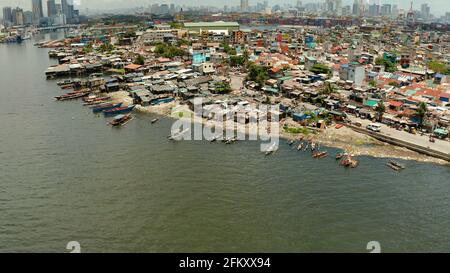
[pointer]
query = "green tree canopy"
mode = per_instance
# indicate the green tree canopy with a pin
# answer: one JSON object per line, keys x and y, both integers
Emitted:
{"x": 388, "y": 65}
{"x": 258, "y": 74}
{"x": 320, "y": 69}
{"x": 421, "y": 112}
{"x": 140, "y": 60}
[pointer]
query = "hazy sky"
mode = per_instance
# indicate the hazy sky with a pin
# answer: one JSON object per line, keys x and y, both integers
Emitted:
{"x": 438, "y": 7}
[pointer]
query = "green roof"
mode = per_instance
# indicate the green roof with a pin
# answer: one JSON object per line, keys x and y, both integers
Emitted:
{"x": 371, "y": 103}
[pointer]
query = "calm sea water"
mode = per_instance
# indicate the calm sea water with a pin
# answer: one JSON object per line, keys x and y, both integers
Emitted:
{"x": 67, "y": 176}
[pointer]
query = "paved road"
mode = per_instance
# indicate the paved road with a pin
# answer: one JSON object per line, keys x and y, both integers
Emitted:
{"x": 439, "y": 145}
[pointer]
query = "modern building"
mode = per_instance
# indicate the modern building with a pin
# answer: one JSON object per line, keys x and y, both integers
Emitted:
{"x": 244, "y": 5}
{"x": 7, "y": 14}
{"x": 51, "y": 8}
{"x": 37, "y": 10}
{"x": 17, "y": 16}
{"x": 28, "y": 18}
{"x": 386, "y": 10}
{"x": 425, "y": 11}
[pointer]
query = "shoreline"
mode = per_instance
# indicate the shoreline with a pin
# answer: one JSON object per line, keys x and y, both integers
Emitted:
{"x": 344, "y": 138}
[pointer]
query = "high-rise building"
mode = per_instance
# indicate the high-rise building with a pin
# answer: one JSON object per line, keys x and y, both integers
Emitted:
{"x": 51, "y": 8}
{"x": 28, "y": 17}
{"x": 425, "y": 11}
{"x": 17, "y": 16}
{"x": 386, "y": 10}
{"x": 244, "y": 5}
{"x": 37, "y": 10}
{"x": 64, "y": 8}
{"x": 7, "y": 14}
{"x": 356, "y": 8}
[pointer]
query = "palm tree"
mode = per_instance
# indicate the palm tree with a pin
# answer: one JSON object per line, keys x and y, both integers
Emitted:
{"x": 421, "y": 112}
{"x": 380, "y": 109}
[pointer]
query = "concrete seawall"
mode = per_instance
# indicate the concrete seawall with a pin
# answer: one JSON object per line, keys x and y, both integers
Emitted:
{"x": 401, "y": 143}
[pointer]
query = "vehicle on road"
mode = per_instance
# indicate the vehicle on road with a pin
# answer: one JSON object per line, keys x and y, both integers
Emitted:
{"x": 374, "y": 127}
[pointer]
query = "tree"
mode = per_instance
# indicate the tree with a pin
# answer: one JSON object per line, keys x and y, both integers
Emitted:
{"x": 421, "y": 112}
{"x": 373, "y": 83}
{"x": 439, "y": 67}
{"x": 222, "y": 87}
{"x": 258, "y": 74}
{"x": 107, "y": 47}
{"x": 380, "y": 109}
{"x": 388, "y": 65}
{"x": 395, "y": 84}
{"x": 320, "y": 69}
{"x": 168, "y": 51}
{"x": 328, "y": 89}
{"x": 237, "y": 60}
{"x": 140, "y": 60}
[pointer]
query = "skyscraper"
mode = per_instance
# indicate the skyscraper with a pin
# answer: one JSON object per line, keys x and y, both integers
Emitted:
{"x": 64, "y": 7}
{"x": 51, "y": 8}
{"x": 7, "y": 14}
{"x": 17, "y": 16}
{"x": 244, "y": 5}
{"x": 37, "y": 10}
{"x": 425, "y": 11}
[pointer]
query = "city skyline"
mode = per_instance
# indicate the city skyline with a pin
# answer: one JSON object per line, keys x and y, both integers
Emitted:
{"x": 438, "y": 7}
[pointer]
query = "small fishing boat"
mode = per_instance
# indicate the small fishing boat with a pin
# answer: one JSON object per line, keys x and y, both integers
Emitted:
{"x": 341, "y": 155}
{"x": 178, "y": 134}
{"x": 106, "y": 107}
{"x": 349, "y": 161}
{"x": 154, "y": 120}
{"x": 231, "y": 140}
{"x": 118, "y": 110}
{"x": 305, "y": 147}
{"x": 214, "y": 139}
{"x": 301, "y": 146}
{"x": 72, "y": 96}
{"x": 320, "y": 154}
{"x": 96, "y": 102}
{"x": 66, "y": 86}
{"x": 339, "y": 126}
{"x": 395, "y": 165}
{"x": 291, "y": 142}
{"x": 121, "y": 120}
{"x": 272, "y": 149}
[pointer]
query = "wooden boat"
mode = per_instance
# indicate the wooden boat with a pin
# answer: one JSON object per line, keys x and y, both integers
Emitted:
{"x": 305, "y": 147}
{"x": 301, "y": 146}
{"x": 349, "y": 161}
{"x": 155, "y": 120}
{"x": 71, "y": 96}
{"x": 231, "y": 140}
{"x": 106, "y": 107}
{"x": 96, "y": 102}
{"x": 341, "y": 155}
{"x": 119, "y": 110}
{"x": 178, "y": 134}
{"x": 339, "y": 126}
{"x": 395, "y": 165}
{"x": 272, "y": 149}
{"x": 121, "y": 120}
{"x": 214, "y": 139}
{"x": 320, "y": 154}
{"x": 66, "y": 86}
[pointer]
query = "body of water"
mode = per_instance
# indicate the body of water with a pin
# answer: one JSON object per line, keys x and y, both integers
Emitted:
{"x": 67, "y": 176}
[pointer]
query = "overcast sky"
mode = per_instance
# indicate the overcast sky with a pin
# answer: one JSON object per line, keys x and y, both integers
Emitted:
{"x": 438, "y": 7}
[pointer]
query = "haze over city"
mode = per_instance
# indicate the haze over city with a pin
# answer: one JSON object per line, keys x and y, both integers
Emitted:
{"x": 438, "y": 7}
